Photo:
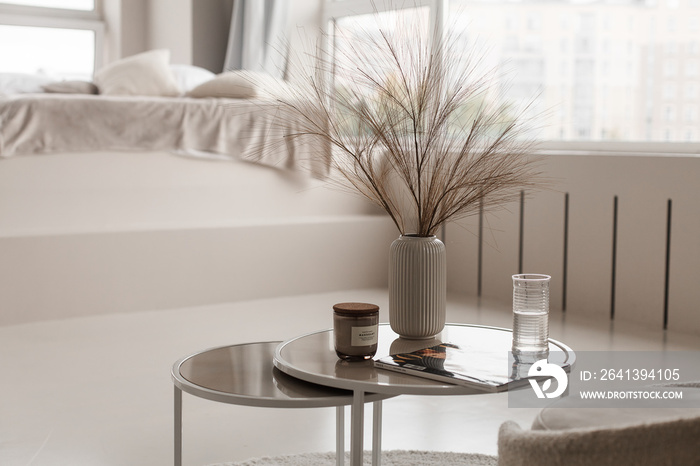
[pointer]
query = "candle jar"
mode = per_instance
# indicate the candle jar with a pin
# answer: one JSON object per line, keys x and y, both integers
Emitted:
{"x": 355, "y": 330}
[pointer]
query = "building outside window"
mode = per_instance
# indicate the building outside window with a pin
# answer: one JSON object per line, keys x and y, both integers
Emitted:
{"x": 625, "y": 62}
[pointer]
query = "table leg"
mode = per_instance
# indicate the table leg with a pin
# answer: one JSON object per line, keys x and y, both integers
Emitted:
{"x": 340, "y": 435}
{"x": 178, "y": 427}
{"x": 357, "y": 419}
{"x": 377, "y": 434}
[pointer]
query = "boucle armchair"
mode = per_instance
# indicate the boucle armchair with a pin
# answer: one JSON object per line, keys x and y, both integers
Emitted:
{"x": 568, "y": 436}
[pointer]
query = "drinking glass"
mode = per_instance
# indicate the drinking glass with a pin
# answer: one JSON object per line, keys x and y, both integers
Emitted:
{"x": 530, "y": 317}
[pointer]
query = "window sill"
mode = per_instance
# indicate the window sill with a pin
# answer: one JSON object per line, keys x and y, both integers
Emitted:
{"x": 620, "y": 148}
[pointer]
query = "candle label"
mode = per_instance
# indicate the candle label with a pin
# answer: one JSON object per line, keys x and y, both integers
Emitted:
{"x": 364, "y": 336}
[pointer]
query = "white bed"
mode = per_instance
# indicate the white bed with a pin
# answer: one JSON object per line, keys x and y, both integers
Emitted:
{"x": 34, "y": 124}
{"x": 107, "y": 154}
{"x": 143, "y": 103}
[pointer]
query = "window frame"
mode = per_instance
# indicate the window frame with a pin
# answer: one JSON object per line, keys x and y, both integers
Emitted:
{"x": 60, "y": 18}
{"x": 332, "y": 10}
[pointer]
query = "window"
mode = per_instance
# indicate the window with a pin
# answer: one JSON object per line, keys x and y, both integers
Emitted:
{"x": 349, "y": 29}
{"x": 534, "y": 21}
{"x": 669, "y": 114}
{"x": 670, "y": 68}
{"x": 610, "y": 65}
{"x": 670, "y": 91}
{"x": 84, "y": 5}
{"x": 58, "y": 38}
{"x": 351, "y": 34}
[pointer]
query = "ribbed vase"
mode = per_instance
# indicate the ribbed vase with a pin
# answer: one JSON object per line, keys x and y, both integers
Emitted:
{"x": 417, "y": 286}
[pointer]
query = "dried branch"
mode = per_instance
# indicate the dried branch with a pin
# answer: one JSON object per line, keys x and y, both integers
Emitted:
{"x": 416, "y": 127}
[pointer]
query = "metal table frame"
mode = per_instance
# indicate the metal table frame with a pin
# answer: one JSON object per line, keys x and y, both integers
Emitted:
{"x": 303, "y": 396}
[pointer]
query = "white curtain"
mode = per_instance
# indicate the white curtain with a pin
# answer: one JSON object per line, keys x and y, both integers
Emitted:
{"x": 258, "y": 37}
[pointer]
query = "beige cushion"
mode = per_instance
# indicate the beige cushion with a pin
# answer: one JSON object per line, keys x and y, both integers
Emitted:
{"x": 71, "y": 87}
{"x": 572, "y": 413}
{"x": 239, "y": 85}
{"x": 576, "y": 418}
{"x": 146, "y": 73}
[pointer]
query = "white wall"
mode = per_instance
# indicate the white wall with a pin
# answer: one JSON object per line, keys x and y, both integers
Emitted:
{"x": 126, "y": 28}
{"x": 195, "y": 31}
{"x": 170, "y": 27}
{"x": 304, "y": 33}
{"x": 134, "y": 26}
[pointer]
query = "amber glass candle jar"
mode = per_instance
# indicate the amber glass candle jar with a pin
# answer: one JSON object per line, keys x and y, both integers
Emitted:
{"x": 355, "y": 330}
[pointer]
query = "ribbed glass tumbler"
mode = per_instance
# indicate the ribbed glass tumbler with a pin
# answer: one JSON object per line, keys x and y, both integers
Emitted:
{"x": 530, "y": 317}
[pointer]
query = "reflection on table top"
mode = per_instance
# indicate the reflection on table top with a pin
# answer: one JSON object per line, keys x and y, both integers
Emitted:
{"x": 312, "y": 358}
{"x": 244, "y": 374}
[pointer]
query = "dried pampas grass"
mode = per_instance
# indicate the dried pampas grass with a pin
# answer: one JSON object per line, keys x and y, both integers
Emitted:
{"x": 415, "y": 126}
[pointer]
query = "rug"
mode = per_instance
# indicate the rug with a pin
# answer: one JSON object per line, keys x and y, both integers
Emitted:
{"x": 389, "y": 458}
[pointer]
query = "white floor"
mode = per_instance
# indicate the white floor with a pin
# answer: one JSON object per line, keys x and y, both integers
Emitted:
{"x": 97, "y": 391}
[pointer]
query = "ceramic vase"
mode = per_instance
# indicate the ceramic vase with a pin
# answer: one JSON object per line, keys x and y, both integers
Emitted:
{"x": 417, "y": 286}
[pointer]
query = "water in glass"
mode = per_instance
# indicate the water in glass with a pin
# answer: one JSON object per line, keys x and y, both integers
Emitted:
{"x": 531, "y": 315}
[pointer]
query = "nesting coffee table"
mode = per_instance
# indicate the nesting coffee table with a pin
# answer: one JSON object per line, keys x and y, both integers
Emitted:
{"x": 305, "y": 372}
{"x": 312, "y": 358}
{"x": 244, "y": 375}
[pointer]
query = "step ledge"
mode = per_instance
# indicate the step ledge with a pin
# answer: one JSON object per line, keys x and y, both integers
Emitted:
{"x": 164, "y": 227}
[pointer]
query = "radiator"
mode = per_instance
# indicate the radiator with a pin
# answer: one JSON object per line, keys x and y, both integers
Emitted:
{"x": 620, "y": 236}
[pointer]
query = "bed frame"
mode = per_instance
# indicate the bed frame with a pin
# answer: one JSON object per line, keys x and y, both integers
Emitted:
{"x": 94, "y": 233}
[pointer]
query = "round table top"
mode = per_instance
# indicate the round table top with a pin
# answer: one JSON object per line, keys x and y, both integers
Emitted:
{"x": 244, "y": 374}
{"x": 312, "y": 358}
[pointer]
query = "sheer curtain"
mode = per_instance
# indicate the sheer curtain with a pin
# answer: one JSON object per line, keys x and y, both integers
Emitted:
{"x": 258, "y": 37}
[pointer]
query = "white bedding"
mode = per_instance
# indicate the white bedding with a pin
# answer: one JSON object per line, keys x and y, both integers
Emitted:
{"x": 236, "y": 128}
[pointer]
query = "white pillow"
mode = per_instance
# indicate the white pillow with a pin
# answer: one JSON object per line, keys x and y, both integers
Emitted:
{"x": 145, "y": 73}
{"x": 189, "y": 76}
{"x": 14, "y": 83}
{"x": 240, "y": 84}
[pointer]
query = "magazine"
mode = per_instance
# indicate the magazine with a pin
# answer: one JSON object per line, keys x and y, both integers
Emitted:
{"x": 448, "y": 362}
